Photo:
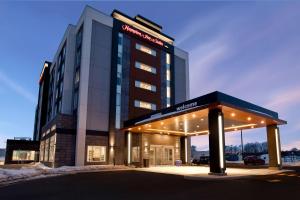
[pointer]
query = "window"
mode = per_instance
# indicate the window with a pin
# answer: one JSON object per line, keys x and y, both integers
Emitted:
{"x": 145, "y": 86}
{"x": 96, "y": 154}
{"x": 42, "y": 150}
{"x": 76, "y": 75}
{"x": 145, "y": 67}
{"x": 46, "y": 156}
{"x": 52, "y": 148}
{"x": 145, "y": 49}
{"x": 168, "y": 79}
{"x": 136, "y": 154}
{"x": 119, "y": 81}
{"x": 20, "y": 155}
{"x": 143, "y": 104}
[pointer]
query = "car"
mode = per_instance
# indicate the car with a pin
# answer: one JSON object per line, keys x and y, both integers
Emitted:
{"x": 253, "y": 160}
{"x": 201, "y": 160}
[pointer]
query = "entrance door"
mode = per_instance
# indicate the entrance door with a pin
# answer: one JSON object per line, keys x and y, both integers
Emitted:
{"x": 161, "y": 155}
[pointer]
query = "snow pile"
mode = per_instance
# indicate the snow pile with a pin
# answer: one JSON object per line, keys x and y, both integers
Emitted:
{"x": 297, "y": 163}
{"x": 39, "y": 170}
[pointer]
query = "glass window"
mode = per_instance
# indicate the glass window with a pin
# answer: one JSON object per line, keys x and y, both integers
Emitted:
{"x": 96, "y": 154}
{"x": 46, "y": 157}
{"x": 145, "y": 49}
{"x": 145, "y": 86}
{"x": 23, "y": 155}
{"x": 168, "y": 79}
{"x": 143, "y": 104}
{"x": 145, "y": 67}
{"x": 136, "y": 154}
{"x": 119, "y": 82}
{"x": 52, "y": 148}
{"x": 42, "y": 150}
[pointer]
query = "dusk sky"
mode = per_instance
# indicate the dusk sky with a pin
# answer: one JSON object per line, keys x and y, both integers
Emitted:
{"x": 250, "y": 50}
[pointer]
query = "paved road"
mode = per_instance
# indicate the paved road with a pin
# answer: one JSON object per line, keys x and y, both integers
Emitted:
{"x": 145, "y": 185}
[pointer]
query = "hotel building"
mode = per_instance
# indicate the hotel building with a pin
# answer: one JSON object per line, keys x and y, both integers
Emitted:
{"x": 109, "y": 69}
{"x": 117, "y": 92}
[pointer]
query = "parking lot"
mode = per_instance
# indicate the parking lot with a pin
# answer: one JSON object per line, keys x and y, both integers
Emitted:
{"x": 134, "y": 184}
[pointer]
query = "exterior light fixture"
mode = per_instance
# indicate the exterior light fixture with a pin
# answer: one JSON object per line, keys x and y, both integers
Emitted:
{"x": 194, "y": 115}
{"x": 139, "y": 128}
{"x": 129, "y": 148}
{"x": 277, "y": 146}
{"x": 221, "y": 150}
{"x": 161, "y": 123}
{"x": 198, "y": 126}
{"x": 262, "y": 122}
{"x": 232, "y": 114}
{"x": 252, "y": 126}
{"x": 249, "y": 118}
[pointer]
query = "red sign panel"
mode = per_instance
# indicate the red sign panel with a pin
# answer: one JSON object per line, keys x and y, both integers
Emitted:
{"x": 138, "y": 33}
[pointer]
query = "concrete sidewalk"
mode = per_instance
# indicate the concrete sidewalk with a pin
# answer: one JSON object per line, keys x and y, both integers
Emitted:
{"x": 201, "y": 172}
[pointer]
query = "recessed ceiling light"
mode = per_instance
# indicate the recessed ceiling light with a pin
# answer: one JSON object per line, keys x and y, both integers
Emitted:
{"x": 194, "y": 115}
{"x": 232, "y": 114}
{"x": 139, "y": 128}
{"x": 202, "y": 119}
{"x": 262, "y": 122}
{"x": 129, "y": 128}
{"x": 161, "y": 123}
{"x": 198, "y": 126}
{"x": 249, "y": 118}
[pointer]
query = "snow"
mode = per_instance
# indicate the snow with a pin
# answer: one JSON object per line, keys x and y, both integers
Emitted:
{"x": 39, "y": 170}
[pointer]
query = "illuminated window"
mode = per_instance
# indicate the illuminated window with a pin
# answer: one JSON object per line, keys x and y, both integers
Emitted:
{"x": 119, "y": 81}
{"x": 145, "y": 86}
{"x": 52, "y": 148}
{"x": 96, "y": 154}
{"x": 20, "y": 155}
{"x": 168, "y": 79}
{"x": 143, "y": 104}
{"x": 145, "y": 67}
{"x": 136, "y": 154}
{"x": 145, "y": 49}
{"x": 42, "y": 150}
{"x": 46, "y": 155}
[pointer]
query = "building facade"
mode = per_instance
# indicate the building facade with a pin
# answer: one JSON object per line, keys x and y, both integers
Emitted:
{"x": 108, "y": 70}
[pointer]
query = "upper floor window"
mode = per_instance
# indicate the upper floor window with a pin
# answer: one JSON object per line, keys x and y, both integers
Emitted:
{"x": 143, "y": 104}
{"x": 145, "y": 67}
{"x": 145, "y": 86}
{"x": 145, "y": 49}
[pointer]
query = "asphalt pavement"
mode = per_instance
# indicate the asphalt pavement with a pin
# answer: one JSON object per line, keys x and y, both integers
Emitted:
{"x": 145, "y": 185}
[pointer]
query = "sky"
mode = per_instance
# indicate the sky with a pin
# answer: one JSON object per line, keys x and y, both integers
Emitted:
{"x": 250, "y": 50}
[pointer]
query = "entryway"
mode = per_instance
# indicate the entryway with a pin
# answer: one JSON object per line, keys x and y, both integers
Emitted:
{"x": 161, "y": 155}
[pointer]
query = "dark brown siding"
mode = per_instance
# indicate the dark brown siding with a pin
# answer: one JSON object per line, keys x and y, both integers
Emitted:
{"x": 144, "y": 76}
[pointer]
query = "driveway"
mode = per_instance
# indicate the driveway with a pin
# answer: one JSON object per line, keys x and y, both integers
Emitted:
{"x": 134, "y": 184}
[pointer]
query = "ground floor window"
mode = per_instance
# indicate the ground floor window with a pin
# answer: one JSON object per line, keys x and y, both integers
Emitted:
{"x": 46, "y": 155}
{"x": 42, "y": 150}
{"x": 96, "y": 154}
{"x": 21, "y": 155}
{"x": 52, "y": 148}
{"x": 136, "y": 154}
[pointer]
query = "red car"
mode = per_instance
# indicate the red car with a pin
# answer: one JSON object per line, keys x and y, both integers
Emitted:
{"x": 253, "y": 160}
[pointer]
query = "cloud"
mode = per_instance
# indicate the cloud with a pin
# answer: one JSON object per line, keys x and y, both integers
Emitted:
{"x": 285, "y": 99}
{"x": 13, "y": 85}
{"x": 293, "y": 144}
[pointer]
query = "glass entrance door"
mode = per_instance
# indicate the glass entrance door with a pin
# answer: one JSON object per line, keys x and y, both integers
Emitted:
{"x": 161, "y": 155}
